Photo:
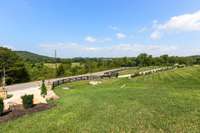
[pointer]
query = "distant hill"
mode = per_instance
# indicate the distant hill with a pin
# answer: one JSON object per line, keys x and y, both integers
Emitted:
{"x": 32, "y": 57}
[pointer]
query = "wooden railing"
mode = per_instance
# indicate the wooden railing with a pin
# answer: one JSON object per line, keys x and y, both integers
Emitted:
{"x": 108, "y": 74}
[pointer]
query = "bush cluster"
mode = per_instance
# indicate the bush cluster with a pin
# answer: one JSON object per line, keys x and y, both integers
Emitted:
{"x": 1, "y": 106}
{"x": 27, "y": 101}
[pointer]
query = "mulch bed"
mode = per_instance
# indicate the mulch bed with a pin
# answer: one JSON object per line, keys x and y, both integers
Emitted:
{"x": 19, "y": 111}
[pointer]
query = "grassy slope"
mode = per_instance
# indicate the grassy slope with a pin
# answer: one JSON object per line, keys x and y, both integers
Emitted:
{"x": 168, "y": 101}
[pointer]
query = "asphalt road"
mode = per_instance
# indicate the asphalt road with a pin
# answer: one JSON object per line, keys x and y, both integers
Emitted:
{"x": 22, "y": 86}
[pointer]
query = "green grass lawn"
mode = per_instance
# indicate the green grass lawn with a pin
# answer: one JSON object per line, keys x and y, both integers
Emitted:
{"x": 162, "y": 102}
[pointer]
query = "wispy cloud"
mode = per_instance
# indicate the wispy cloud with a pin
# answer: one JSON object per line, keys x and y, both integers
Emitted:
{"x": 115, "y": 28}
{"x": 107, "y": 39}
{"x": 90, "y": 39}
{"x": 121, "y": 36}
{"x": 155, "y": 35}
{"x": 143, "y": 29}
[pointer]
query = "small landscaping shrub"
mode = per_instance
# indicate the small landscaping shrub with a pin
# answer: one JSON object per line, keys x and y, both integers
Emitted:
{"x": 1, "y": 106}
{"x": 27, "y": 101}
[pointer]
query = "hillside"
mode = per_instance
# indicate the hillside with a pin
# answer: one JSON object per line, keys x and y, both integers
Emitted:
{"x": 162, "y": 102}
{"x": 32, "y": 57}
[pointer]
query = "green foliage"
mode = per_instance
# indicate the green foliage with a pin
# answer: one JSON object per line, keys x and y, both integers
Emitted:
{"x": 60, "y": 70}
{"x": 27, "y": 101}
{"x": 43, "y": 89}
{"x": 14, "y": 66}
{"x": 38, "y": 71}
{"x": 1, "y": 106}
{"x": 31, "y": 66}
{"x": 31, "y": 57}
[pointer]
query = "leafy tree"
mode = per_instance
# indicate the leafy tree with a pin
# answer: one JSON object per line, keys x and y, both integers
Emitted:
{"x": 60, "y": 70}
{"x": 15, "y": 68}
{"x": 143, "y": 60}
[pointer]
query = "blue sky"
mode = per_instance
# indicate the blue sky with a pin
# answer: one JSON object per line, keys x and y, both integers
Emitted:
{"x": 101, "y": 28}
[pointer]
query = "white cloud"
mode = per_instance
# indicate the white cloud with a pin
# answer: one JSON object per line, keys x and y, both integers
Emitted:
{"x": 155, "y": 21}
{"x": 107, "y": 39}
{"x": 182, "y": 23}
{"x": 90, "y": 49}
{"x": 186, "y": 22}
{"x": 90, "y": 39}
{"x": 143, "y": 29}
{"x": 155, "y": 24}
{"x": 155, "y": 35}
{"x": 114, "y": 28}
{"x": 120, "y": 36}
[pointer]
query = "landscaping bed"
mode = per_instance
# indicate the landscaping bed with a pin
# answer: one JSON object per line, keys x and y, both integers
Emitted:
{"x": 19, "y": 111}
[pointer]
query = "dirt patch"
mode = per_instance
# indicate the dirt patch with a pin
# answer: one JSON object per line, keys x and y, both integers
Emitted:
{"x": 19, "y": 111}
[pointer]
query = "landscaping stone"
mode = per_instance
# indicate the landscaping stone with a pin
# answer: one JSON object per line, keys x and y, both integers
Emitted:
{"x": 95, "y": 82}
{"x": 65, "y": 88}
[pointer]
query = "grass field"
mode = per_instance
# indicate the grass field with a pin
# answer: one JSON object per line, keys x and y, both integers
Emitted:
{"x": 162, "y": 102}
{"x": 52, "y": 65}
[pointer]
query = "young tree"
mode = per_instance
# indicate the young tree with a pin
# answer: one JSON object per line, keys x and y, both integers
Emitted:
{"x": 1, "y": 106}
{"x": 43, "y": 89}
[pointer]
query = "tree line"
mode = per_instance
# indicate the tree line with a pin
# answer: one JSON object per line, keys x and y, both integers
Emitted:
{"x": 20, "y": 70}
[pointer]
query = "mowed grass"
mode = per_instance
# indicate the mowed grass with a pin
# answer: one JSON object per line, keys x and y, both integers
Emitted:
{"x": 162, "y": 102}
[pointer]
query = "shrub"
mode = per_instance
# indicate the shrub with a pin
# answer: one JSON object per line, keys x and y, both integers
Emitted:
{"x": 1, "y": 106}
{"x": 43, "y": 89}
{"x": 27, "y": 101}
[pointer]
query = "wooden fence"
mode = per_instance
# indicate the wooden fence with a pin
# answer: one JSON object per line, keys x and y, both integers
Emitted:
{"x": 108, "y": 74}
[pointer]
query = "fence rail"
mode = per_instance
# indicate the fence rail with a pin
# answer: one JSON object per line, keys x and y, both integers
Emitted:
{"x": 108, "y": 74}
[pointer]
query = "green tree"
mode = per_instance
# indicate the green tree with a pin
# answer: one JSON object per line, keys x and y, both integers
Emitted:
{"x": 43, "y": 89}
{"x": 1, "y": 106}
{"x": 60, "y": 71}
{"x": 14, "y": 65}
